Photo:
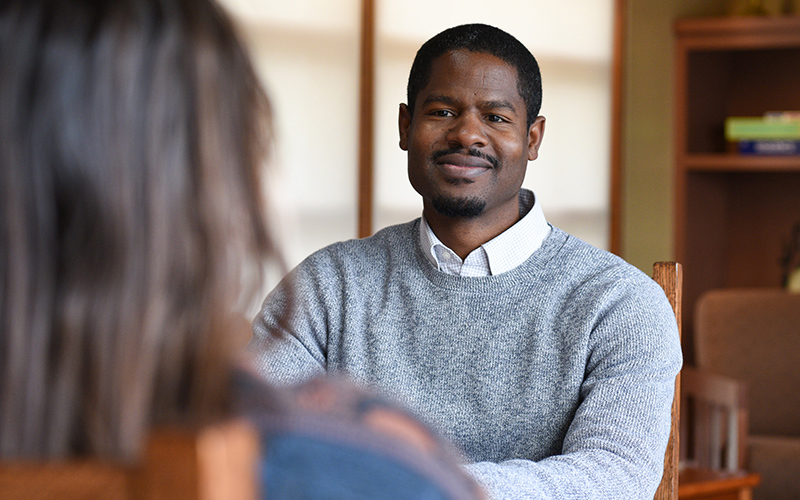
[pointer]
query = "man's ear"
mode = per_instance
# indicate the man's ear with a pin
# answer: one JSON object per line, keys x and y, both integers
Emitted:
{"x": 403, "y": 124}
{"x": 535, "y": 135}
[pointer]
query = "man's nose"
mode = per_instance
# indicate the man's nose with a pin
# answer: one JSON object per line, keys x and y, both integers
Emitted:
{"x": 467, "y": 131}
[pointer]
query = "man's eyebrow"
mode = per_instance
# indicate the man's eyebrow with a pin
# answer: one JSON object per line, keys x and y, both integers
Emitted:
{"x": 499, "y": 105}
{"x": 450, "y": 101}
{"x": 440, "y": 98}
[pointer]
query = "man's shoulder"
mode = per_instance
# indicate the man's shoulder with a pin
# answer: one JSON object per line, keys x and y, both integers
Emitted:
{"x": 388, "y": 236}
{"x": 603, "y": 285}
{"x": 591, "y": 264}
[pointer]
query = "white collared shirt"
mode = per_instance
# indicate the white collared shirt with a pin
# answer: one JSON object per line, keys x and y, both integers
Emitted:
{"x": 498, "y": 255}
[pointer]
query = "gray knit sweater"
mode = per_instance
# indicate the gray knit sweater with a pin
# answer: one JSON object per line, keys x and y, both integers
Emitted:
{"x": 554, "y": 379}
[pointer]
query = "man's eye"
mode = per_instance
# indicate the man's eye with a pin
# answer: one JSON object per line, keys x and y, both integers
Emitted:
{"x": 495, "y": 118}
{"x": 445, "y": 113}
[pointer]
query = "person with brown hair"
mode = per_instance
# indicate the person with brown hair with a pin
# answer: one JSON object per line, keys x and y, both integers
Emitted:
{"x": 132, "y": 232}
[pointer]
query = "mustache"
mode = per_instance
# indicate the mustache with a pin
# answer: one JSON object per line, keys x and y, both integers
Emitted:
{"x": 468, "y": 152}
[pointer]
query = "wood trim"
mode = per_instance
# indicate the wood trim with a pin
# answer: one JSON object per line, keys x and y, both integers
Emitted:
{"x": 680, "y": 141}
{"x": 215, "y": 462}
{"x": 617, "y": 124}
{"x": 745, "y": 32}
{"x": 670, "y": 276}
{"x": 707, "y": 484}
{"x": 366, "y": 120}
{"x": 729, "y": 162}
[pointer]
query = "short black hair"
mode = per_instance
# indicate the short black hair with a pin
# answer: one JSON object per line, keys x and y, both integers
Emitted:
{"x": 485, "y": 39}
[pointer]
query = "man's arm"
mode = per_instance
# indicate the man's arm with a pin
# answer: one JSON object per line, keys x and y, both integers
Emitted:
{"x": 615, "y": 445}
{"x": 282, "y": 356}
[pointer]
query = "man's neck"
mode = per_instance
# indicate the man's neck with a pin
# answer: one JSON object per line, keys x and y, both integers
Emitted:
{"x": 463, "y": 235}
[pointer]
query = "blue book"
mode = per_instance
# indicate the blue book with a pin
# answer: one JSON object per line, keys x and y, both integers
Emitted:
{"x": 778, "y": 148}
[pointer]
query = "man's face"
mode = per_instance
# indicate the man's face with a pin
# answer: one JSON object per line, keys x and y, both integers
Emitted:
{"x": 468, "y": 142}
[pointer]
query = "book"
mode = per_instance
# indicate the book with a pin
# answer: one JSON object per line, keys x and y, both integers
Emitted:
{"x": 768, "y": 147}
{"x": 769, "y": 128}
{"x": 782, "y": 115}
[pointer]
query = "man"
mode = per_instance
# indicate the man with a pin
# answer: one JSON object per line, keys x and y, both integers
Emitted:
{"x": 549, "y": 363}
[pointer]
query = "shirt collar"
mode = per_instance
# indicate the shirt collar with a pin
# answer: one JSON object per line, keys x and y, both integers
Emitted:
{"x": 501, "y": 254}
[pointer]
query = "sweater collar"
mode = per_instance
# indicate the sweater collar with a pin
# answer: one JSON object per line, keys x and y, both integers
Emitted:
{"x": 501, "y": 254}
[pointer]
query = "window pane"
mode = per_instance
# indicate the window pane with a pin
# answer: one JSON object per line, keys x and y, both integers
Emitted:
{"x": 307, "y": 52}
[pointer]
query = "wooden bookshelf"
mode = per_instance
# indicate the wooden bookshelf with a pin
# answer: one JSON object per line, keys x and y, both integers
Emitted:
{"x": 729, "y": 162}
{"x": 733, "y": 213}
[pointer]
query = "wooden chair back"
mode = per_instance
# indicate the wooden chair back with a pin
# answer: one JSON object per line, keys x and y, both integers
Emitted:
{"x": 670, "y": 276}
{"x": 713, "y": 420}
{"x": 217, "y": 462}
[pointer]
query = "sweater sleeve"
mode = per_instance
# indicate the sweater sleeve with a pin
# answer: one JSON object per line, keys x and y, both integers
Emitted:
{"x": 615, "y": 445}
{"x": 289, "y": 342}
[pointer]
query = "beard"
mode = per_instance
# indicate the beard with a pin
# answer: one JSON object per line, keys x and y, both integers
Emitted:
{"x": 461, "y": 208}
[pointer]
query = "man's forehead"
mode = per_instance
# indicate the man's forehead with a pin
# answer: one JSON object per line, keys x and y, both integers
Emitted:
{"x": 474, "y": 70}
{"x": 462, "y": 54}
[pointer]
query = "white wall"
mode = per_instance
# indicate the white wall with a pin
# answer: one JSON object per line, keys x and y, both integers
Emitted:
{"x": 307, "y": 52}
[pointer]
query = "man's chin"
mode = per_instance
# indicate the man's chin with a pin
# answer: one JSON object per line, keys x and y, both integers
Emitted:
{"x": 460, "y": 208}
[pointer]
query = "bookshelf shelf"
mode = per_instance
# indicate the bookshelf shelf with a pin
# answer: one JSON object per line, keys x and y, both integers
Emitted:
{"x": 733, "y": 213}
{"x": 728, "y": 162}
{"x": 745, "y": 32}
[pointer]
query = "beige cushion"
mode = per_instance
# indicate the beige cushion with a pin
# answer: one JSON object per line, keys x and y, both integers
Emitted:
{"x": 754, "y": 335}
{"x": 778, "y": 462}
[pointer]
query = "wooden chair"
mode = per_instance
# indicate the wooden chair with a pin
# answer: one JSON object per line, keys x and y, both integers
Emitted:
{"x": 713, "y": 420}
{"x": 217, "y": 462}
{"x": 714, "y": 425}
{"x": 670, "y": 276}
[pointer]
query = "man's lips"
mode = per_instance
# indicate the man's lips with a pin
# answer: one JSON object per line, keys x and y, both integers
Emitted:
{"x": 463, "y": 166}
